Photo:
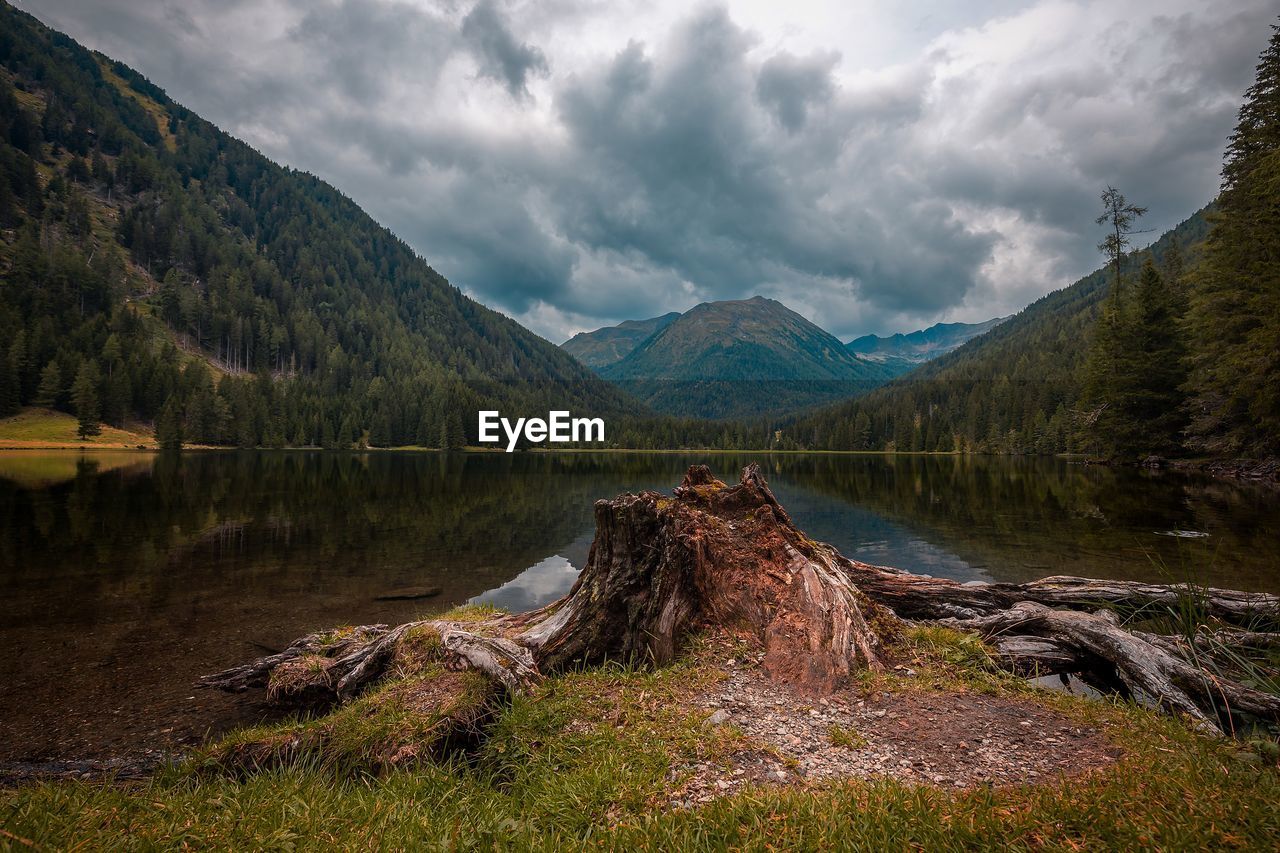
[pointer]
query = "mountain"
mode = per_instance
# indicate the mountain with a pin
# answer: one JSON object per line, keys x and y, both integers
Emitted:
{"x": 742, "y": 358}
{"x": 1016, "y": 388}
{"x": 612, "y": 344}
{"x": 154, "y": 268}
{"x": 921, "y": 346}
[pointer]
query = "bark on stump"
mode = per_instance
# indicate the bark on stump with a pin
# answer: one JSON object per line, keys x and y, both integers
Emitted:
{"x": 714, "y": 555}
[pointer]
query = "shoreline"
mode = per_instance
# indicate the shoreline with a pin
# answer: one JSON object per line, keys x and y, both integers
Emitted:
{"x": 1247, "y": 469}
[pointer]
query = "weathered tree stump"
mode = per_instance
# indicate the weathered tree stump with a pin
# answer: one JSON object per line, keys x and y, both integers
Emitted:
{"x": 719, "y": 554}
{"x": 659, "y": 568}
{"x": 729, "y": 557}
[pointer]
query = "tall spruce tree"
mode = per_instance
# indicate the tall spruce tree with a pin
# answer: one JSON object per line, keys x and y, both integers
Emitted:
{"x": 1235, "y": 311}
{"x": 10, "y": 385}
{"x": 169, "y": 426}
{"x": 1103, "y": 426}
{"x": 1119, "y": 215}
{"x": 84, "y": 396}
{"x": 50, "y": 388}
{"x": 1153, "y": 415}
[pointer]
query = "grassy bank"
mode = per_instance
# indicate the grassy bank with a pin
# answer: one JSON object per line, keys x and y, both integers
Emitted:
{"x": 585, "y": 762}
{"x": 46, "y": 429}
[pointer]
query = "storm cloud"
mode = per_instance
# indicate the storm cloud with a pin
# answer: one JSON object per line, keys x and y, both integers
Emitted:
{"x": 576, "y": 163}
{"x": 501, "y": 56}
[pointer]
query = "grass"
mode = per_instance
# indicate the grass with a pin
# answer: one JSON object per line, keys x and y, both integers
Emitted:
{"x": 154, "y": 109}
{"x": 847, "y": 738}
{"x": 400, "y": 723}
{"x": 585, "y": 762}
{"x": 38, "y": 428}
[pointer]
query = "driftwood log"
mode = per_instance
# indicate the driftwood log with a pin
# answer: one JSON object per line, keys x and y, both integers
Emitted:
{"x": 713, "y": 555}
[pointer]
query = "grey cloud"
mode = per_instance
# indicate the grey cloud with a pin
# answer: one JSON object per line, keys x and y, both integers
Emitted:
{"x": 490, "y": 242}
{"x": 180, "y": 19}
{"x": 502, "y": 57}
{"x": 689, "y": 176}
{"x": 706, "y": 163}
{"x": 361, "y": 47}
{"x": 790, "y": 86}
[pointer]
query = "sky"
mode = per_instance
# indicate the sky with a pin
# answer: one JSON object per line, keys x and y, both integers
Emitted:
{"x": 876, "y": 165}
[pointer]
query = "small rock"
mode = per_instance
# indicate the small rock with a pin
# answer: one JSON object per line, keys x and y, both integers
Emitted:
{"x": 720, "y": 717}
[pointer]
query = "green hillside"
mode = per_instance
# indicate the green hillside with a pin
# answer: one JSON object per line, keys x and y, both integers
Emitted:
{"x": 1016, "y": 388}
{"x": 613, "y": 343}
{"x": 742, "y": 358}
{"x": 285, "y": 314}
{"x": 1171, "y": 350}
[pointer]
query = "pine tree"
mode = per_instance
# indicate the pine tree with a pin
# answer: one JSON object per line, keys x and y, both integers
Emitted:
{"x": 452, "y": 434}
{"x": 84, "y": 396}
{"x": 220, "y": 421}
{"x": 1106, "y": 425}
{"x": 199, "y": 425}
{"x": 1101, "y": 387}
{"x": 111, "y": 353}
{"x": 1156, "y": 368}
{"x": 10, "y": 388}
{"x": 170, "y": 298}
{"x": 50, "y": 388}
{"x": 1235, "y": 312}
{"x": 20, "y": 365}
{"x": 117, "y": 396}
{"x": 1119, "y": 216}
{"x": 169, "y": 426}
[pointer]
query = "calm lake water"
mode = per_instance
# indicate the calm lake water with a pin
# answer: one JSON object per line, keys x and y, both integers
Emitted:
{"x": 125, "y": 576}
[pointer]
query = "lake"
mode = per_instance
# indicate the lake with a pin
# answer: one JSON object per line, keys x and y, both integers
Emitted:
{"x": 125, "y": 576}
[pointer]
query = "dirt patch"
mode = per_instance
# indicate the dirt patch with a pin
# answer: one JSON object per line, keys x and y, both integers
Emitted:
{"x": 945, "y": 739}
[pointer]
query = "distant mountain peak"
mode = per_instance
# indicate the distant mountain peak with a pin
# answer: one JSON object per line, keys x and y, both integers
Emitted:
{"x": 613, "y": 343}
{"x": 735, "y": 357}
{"x": 921, "y": 345}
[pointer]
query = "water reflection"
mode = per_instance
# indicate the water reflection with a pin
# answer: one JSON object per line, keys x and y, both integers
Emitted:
{"x": 128, "y": 575}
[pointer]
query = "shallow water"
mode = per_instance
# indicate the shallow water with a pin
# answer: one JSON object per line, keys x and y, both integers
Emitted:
{"x": 125, "y": 576}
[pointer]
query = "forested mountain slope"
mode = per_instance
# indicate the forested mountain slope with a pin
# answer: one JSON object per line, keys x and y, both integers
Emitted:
{"x": 742, "y": 358}
{"x": 613, "y": 343}
{"x": 1176, "y": 350}
{"x": 1014, "y": 389}
{"x": 133, "y": 230}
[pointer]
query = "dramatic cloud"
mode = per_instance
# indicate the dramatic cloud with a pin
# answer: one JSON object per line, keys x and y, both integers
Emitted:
{"x": 576, "y": 162}
{"x": 789, "y": 86}
{"x": 501, "y": 56}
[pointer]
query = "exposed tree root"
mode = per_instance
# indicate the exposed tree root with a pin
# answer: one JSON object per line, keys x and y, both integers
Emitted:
{"x": 1033, "y": 636}
{"x": 925, "y": 598}
{"x": 661, "y": 568}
